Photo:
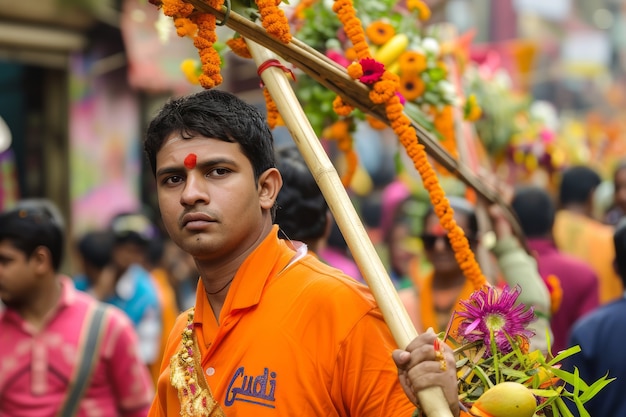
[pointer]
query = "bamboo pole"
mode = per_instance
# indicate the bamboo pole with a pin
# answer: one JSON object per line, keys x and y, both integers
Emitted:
{"x": 432, "y": 400}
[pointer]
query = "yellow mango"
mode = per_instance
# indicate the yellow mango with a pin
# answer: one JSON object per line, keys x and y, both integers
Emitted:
{"x": 507, "y": 399}
{"x": 392, "y": 49}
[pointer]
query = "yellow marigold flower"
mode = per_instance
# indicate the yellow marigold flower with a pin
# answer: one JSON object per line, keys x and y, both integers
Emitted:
{"x": 412, "y": 61}
{"x": 380, "y": 32}
{"x": 471, "y": 110}
{"x": 191, "y": 69}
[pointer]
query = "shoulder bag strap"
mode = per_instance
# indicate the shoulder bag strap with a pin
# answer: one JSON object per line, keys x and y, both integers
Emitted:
{"x": 88, "y": 351}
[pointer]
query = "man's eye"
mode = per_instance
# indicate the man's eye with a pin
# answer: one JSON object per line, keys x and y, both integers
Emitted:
{"x": 218, "y": 172}
{"x": 175, "y": 179}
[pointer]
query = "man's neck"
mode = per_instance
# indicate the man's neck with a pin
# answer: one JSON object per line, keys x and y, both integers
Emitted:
{"x": 44, "y": 301}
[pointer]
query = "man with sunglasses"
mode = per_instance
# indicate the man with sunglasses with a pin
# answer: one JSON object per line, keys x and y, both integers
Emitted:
{"x": 437, "y": 294}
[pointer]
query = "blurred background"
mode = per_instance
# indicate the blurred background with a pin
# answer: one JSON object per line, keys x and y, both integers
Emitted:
{"x": 79, "y": 79}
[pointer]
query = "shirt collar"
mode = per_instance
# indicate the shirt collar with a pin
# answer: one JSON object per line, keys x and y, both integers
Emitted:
{"x": 266, "y": 261}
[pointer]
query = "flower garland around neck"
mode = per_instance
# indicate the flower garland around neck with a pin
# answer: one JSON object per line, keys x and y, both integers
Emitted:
{"x": 195, "y": 400}
{"x": 385, "y": 91}
{"x": 201, "y": 28}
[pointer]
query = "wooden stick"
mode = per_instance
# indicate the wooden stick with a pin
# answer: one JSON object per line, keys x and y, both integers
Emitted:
{"x": 432, "y": 400}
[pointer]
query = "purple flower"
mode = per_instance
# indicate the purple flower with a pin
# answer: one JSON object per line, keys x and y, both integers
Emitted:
{"x": 372, "y": 70}
{"x": 492, "y": 311}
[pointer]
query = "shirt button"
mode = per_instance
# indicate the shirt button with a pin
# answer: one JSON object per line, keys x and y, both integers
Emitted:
{"x": 210, "y": 371}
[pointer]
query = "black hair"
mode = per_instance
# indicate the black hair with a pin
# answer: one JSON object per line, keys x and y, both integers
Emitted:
{"x": 577, "y": 185}
{"x": 302, "y": 212}
{"x": 619, "y": 241}
{"x": 213, "y": 114}
{"x": 461, "y": 206}
{"x": 95, "y": 247}
{"x": 535, "y": 210}
{"x": 33, "y": 223}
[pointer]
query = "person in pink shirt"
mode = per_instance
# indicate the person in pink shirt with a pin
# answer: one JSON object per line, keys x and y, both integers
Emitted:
{"x": 62, "y": 353}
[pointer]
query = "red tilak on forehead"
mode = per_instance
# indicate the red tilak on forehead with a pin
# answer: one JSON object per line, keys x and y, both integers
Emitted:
{"x": 438, "y": 229}
{"x": 190, "y": 161}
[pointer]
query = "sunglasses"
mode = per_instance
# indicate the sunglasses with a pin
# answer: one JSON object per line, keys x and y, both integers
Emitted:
{"x": 429, "y": 241}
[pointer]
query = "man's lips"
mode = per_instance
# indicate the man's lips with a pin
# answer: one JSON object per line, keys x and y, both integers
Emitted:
{"x": 196, "y": 220}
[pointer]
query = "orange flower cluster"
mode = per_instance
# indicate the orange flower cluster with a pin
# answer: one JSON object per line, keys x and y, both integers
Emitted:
{"x": 340, "y": 132}
{"x": 556, "y": 292}
{"x": 200, "y": 26}
{"x": 209, "y": 57}
{"x": 239, "y": 47}
{"x": 273, "y": 116}
{"x": 380, "y": 32}
{"x": 384, "y": 92}
{"x": 274, "y": 20}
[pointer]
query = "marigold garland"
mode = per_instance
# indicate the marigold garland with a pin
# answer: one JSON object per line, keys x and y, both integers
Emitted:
{"x": 274, "y": 20}
{"x": 239, "y": 47}
{"x": 385, "y": 91}
{"x": 340, "y": 132}
{"x": 273, "y": 116}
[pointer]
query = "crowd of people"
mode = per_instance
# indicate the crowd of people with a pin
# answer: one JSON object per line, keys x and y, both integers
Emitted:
{"x": 243, "y": 298}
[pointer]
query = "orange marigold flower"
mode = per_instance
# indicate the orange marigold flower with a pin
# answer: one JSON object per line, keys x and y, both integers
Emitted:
{"x": 412, "y": 61}
{"x": 341, "y": 107}
{"x": 351, "y": 54}
{"x": 422, "y": 9}
{"x": 185, "y": 27}
{"x": 272, "y": 110}
{"x": 355, "y": 70}
{"x": 274, "y": 20}
{"x": 411, "y": 86}
{"x": 380, "y": 32}
{"x": 352, "y": 162}
{"x": 375, "y": 123}
{"x": 556, "y": 292}
{"x": 239, "y": 47}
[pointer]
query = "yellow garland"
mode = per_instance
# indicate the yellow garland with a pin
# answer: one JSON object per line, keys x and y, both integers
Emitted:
{"x": 384, "y": 92}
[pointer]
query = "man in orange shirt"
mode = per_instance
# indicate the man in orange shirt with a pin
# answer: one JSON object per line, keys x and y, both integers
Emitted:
{"x": 577, "y": 233}
{"x": 274, "y": 331}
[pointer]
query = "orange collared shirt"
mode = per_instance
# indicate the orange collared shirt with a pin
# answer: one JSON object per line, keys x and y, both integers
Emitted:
{"x": 592, "y": 242}
{"x": 293, "y": 338}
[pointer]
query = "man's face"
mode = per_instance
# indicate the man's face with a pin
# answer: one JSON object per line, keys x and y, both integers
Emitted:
{"x": 17, "y": 275}
{"x": 210, "y": 203}
{"x": 436, "y": 244}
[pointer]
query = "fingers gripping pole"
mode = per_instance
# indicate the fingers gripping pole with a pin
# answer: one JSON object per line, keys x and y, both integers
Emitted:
{"x": 275, "y": 79}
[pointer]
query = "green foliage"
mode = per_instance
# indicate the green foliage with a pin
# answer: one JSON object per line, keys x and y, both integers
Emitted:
{"x": 552, "y": 385}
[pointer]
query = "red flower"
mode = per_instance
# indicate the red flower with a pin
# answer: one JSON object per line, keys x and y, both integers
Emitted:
{"x": 372, "y": 70}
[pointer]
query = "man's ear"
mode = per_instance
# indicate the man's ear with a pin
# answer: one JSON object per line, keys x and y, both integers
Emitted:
{"x": 41, "y": 259}
{"x": 270, "y": 183}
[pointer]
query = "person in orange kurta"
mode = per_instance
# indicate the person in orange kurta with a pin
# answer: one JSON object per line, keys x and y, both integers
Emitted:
{"x": 577, "y": 233}
{"x": 435, "y": 296}
{"x": 274, "y": 331}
